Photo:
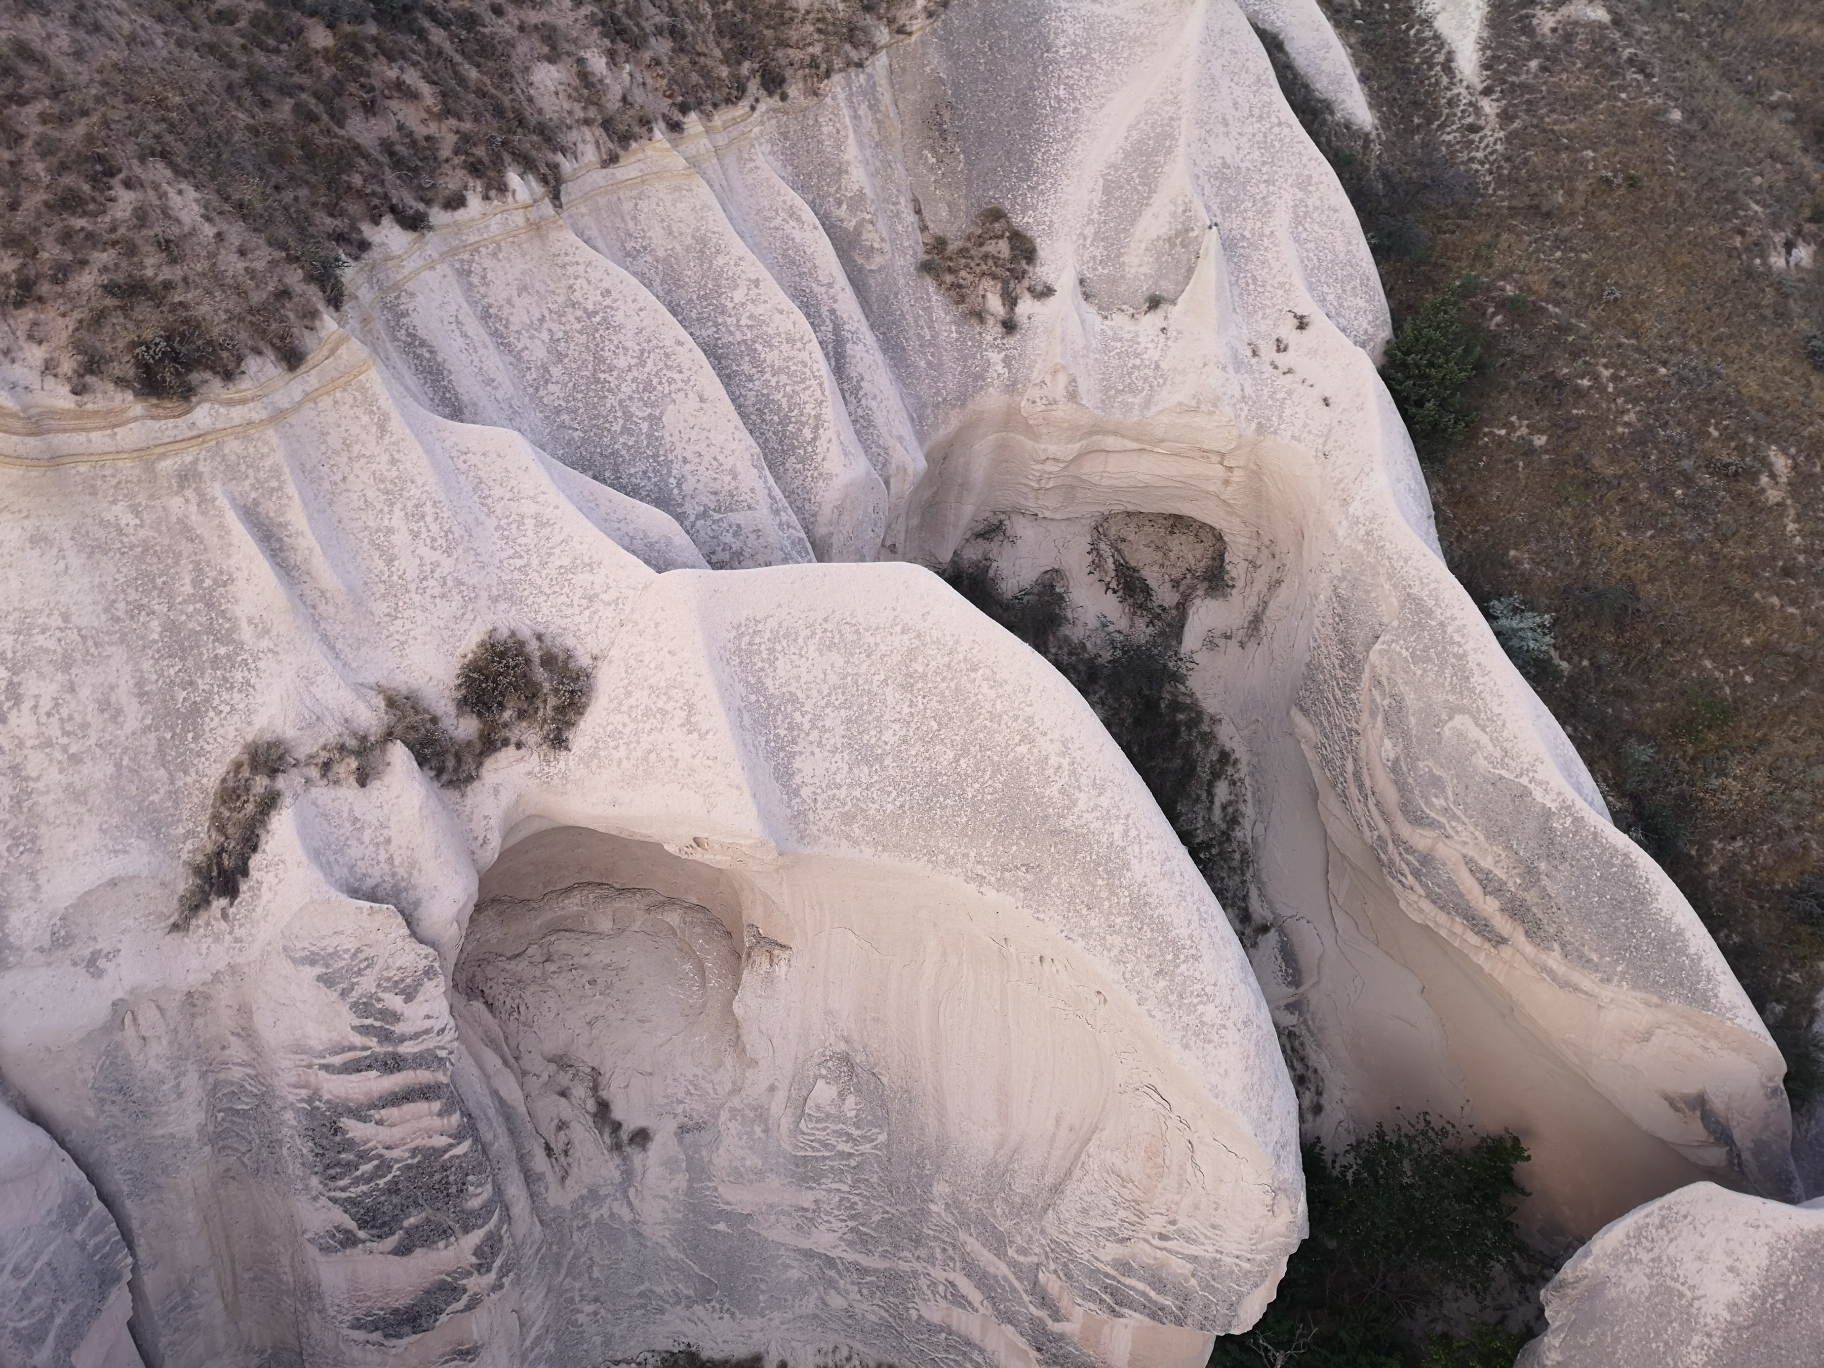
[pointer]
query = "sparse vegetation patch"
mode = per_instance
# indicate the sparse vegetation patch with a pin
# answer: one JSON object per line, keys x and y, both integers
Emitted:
{"x": 1158, "y": 565}
{"x": 509, "y": 692}
{"x": 986, "y": 271}
{"x": 1138, "y": 680}
{"x": 245, "y": 798}
{"x": 185, "y": 182}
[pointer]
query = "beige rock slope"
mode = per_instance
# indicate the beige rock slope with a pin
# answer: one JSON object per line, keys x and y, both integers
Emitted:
{"x": 836, "y": 982}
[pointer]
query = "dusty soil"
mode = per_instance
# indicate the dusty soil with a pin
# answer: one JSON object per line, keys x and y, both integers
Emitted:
{"x": 1637, "y": 192}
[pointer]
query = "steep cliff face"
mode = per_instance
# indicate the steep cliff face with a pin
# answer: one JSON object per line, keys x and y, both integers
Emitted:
{"x": 494, "y": 878}
{"x": 925, "y": 995}
{"x": 1640, "y": 470}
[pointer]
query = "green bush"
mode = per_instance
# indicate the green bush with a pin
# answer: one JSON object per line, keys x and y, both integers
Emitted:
{"x": 1526, "y": 635}
{"x": 1408, "y": 1226}
{"x": 1428, "y": 363}
{"x": 1655, "y": 813}
{"x": 1486, "y": 1346}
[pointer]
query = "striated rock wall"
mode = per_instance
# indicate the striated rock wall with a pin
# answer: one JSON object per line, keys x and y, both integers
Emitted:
{"x": 63, "y": 1265}
{"x": 836, "y": 984}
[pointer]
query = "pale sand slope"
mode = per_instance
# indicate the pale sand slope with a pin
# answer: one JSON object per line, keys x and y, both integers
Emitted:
{"x": 1702, "y": 1278}
{"x": 840, "y": 983}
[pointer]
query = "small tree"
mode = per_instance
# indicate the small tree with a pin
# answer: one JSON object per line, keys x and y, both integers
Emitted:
{"x": 1428, "y": 363}
{"x": 1411, "y": 1229}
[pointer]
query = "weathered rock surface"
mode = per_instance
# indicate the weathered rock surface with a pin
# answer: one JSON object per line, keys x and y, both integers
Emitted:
{"x": 1703, "y": 1278}
{"x": 941, "y": 1015}
{"x": 63, "y": 1265}
{"x": 835, "y": 982}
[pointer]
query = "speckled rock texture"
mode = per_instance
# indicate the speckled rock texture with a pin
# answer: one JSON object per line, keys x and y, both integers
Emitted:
{"x": 1701, "y": 1278}
{"x": 834, "y": 985}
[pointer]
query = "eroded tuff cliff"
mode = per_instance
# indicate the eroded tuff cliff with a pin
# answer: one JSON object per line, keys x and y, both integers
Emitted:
{"x": 833, "y": 982}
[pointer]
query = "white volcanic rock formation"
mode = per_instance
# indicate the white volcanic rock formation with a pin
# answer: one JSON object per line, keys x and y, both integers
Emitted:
{"x": 832, "y": 981}
{"x": 1703, "y": 1278}
{"x": 840, "y": 954}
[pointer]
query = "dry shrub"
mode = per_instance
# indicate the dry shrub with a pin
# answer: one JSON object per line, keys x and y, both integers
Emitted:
{"x": 509, "y": 692}
{"x": 985, "y": 272}
{"x": 245, "y": 798}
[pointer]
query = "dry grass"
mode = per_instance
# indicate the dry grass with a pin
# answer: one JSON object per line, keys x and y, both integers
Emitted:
{"x": 1646, "y": 467}
{"x": 185, "y": 181}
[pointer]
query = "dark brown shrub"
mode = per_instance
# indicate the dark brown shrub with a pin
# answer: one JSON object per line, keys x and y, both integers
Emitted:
{"x": 245, "y": 798}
